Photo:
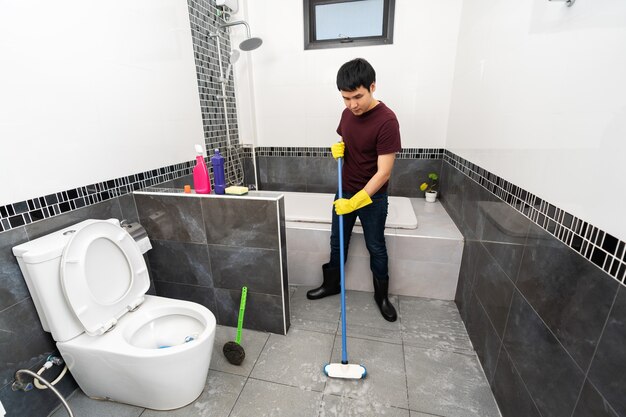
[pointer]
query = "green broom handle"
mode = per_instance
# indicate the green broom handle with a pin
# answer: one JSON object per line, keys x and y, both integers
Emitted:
{"x": 242, "y": 308}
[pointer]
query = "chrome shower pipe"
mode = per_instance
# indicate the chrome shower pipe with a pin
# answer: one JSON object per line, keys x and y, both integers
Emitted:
{"x": 237, "y": 22}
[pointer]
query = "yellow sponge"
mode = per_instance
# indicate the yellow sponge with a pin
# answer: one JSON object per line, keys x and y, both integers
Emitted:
{"x": 236, "y": 190}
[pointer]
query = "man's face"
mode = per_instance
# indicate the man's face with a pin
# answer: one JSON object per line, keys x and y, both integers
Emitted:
{"x": 360, "y": 100}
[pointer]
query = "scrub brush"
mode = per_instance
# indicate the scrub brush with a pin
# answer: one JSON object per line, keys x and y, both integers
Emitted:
{"x": 233, "y": 350}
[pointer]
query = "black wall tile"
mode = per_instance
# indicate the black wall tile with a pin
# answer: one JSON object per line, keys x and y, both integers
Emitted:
{"x": 503, "y": 231}
{"x": 13, "y": 287}
{"x": 282, "y": 173}
{"x": 494, "y": 289}
{"x": 592, "y": 404}
{"x": 234, "y": 267}
{"x": 171, "y": 217}
{"x": 23, "y": 342}
{"x": 241, "y": 222}
{"x": 510, "y": 392}
{"x": 180, "y": 262}
{"x": 322, "y": 175}
{"x": 484, "y": 337}
{"x": 608, "y": 369}
{"x": 263, "y": 311}
{"x": 572, "y": 296}
{"x": 471, "y": 252}
{"x": 550, "y": 374}
{"x": 453, "y": 193}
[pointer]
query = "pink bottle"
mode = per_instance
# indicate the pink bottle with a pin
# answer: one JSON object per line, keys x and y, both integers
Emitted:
{"x": 201, "y": 181}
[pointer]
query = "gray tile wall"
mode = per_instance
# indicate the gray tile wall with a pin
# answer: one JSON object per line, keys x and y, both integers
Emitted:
{"x": 207, "y": 249}
{"x": 549, "y": 326}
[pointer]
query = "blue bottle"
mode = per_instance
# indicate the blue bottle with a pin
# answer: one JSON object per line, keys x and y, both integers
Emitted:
{"x": 218, "y": 172}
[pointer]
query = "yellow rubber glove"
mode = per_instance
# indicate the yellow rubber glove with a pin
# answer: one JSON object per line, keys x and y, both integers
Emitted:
{"x": 345, "y": 206}
{"x": 337, "y": 149}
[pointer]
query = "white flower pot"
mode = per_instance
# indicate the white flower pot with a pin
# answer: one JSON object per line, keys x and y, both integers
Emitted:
{"x": 431, "y": 196}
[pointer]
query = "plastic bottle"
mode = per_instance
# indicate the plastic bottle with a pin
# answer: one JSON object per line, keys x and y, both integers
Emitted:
{"x": 201, "y": 181}
{"x": 218, "y": 172}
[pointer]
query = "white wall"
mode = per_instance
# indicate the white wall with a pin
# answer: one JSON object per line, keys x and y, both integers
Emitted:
{"x": 91, "y": 91}
{"x": 539, "y": 99}
{"x": 287, "y": 96}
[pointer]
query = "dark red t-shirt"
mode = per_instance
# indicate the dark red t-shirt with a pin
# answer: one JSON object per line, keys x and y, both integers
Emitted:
{"x": 374, "y": 133}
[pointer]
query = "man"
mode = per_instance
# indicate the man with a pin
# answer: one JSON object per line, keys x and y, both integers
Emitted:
{"x": 370, "y": 138}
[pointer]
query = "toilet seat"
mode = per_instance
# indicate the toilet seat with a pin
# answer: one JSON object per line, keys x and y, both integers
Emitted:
{"x": 103, "y": 275}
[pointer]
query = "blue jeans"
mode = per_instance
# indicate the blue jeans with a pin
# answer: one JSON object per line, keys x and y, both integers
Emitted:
{"x": 373, "y": 218}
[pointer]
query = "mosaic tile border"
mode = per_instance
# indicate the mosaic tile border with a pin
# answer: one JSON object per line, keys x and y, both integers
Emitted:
{"x": 601, "y": 248}
{"x": 40, "y": 208}
{"x": 291, "y": 151}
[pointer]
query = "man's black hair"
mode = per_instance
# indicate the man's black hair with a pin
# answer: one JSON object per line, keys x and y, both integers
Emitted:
{"x": 354, "y": 74}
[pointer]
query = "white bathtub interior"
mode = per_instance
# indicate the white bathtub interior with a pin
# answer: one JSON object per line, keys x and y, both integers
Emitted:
{"x": 317, "y": 208}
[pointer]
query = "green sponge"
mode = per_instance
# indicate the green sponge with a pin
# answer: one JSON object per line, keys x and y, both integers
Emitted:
{"x": 236, "y": 190}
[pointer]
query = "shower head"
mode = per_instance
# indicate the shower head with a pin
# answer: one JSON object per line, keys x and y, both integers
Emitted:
{"x": 234, "y": 57}
{"x": 249, "y": 43}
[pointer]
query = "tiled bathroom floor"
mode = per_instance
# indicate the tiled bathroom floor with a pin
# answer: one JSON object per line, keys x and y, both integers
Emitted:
{"x": 422, "y": 365}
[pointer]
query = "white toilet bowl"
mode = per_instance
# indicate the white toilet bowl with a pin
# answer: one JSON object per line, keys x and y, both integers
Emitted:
{"x": 132, "y": 364}
{"x": 88, "y": 283}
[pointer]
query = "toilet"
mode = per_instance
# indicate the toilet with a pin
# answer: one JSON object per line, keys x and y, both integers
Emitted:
{"x": 89, "y": 283}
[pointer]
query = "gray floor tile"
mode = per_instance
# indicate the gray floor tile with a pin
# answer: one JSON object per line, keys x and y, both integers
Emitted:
{"x": 418, "y": 414}
{"x": 296, "y": 359}
{"x": 217, "y": 400}
{"x": 386, "y": 378}
{"x": 265, "y": 399}
{"x": 343, "y": 406}
{"x": 314, "y": 325}
{"x": 365, "y": 321}
{"x": 432, "y": 323}
{"x": 252, "y": 342}
{"x": 372, "y": 333}
{"x": 448, "y": 384}
{"x": 325, "y": 310}
{"x": 83, "y": 406}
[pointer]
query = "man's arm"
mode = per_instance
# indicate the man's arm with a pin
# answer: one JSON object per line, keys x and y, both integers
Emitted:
{"x": 385, "y": 165}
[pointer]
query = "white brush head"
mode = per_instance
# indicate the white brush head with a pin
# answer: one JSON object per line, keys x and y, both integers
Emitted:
{"x": 347, "y": 371}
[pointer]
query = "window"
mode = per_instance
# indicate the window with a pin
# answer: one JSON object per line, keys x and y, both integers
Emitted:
{"x": 346, "y": 23}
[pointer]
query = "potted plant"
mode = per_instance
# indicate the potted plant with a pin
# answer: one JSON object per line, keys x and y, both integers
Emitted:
{"x": 430, "y": 187}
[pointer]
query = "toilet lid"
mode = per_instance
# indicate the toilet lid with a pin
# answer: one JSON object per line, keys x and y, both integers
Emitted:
{"x": 103, "y": 275}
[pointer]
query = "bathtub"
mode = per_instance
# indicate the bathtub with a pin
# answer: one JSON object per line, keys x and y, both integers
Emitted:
{"x": 424, "y": 261}
{"x": 317, "y": 208}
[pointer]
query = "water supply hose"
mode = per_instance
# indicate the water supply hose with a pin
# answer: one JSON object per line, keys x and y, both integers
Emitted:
{"x": 47, "y": 384}
{"x": 51, "y": 361}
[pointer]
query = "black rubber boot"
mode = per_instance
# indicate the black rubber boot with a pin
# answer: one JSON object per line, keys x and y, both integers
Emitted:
{"x": 381, "y": 288}
{"x": 330, "y": 286}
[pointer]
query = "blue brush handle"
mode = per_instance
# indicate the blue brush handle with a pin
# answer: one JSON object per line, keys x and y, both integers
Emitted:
{"x": 342, "y": 256}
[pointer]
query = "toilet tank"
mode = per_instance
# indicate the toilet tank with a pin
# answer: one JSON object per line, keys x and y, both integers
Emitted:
{"x": 40, "y": 262}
